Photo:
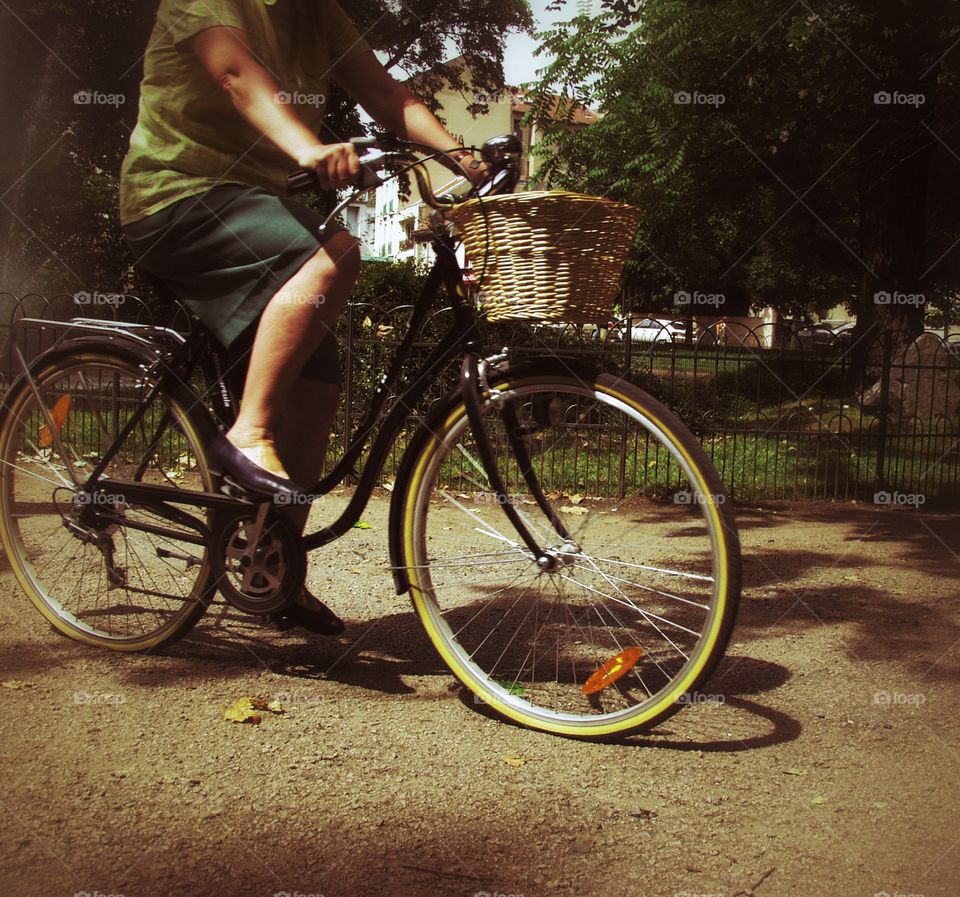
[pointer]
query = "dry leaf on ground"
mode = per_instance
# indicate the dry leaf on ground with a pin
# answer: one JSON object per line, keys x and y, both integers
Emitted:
{"x": 248, "y": 710}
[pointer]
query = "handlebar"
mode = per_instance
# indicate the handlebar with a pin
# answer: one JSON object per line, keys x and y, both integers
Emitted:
{"x": 501, "y": 154}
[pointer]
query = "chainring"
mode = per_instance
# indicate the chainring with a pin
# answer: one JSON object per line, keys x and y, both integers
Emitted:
{"x": 259, "y": 575}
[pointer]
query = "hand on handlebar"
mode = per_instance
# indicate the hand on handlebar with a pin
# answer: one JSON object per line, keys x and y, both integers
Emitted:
{"x": 474, "y": 170}
{"x": 336, "y": 164}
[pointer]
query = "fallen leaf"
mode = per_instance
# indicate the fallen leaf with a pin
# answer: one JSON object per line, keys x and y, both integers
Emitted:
{"x": 513, "y": 687}
{"x": 513, "y": 760}
{"x": 362, "y": 524}
{"x": 576, "y": 498}
{"x": 573, "y": 509}
{"x": 388, "y": 485}
{"x": 816, "y": 800}
{"x": 242, "y": 711}
{"x": 248, "y": 710}
{"x": 795, "y": 771}
{"x": 16, "y": 684}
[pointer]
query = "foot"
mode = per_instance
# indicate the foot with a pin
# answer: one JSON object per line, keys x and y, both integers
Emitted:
{"x": 258, "y": 447}
{"x": 248, "y": 474}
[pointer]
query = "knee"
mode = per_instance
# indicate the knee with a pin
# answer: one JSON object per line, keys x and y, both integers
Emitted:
{"x": 344, "y": 250}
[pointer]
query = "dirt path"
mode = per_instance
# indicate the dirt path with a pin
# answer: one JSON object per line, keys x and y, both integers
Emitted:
{"x": 826, "y": 761}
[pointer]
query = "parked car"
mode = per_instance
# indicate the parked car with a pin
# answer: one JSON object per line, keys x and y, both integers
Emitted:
{"x": 816, "y": 336}
{"x": 844, "y": 334}
{"x": 650, "y": 330}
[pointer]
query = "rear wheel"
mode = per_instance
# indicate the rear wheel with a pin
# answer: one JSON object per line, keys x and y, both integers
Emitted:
{"x": 641, "y": 598}
{"x": 90, "y": 562}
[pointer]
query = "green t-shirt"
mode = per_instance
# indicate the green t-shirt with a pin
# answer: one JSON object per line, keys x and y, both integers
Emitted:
{"x": 189, "y": 137}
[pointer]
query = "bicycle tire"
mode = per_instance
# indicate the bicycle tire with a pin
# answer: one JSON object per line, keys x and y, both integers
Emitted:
{"x": 435, "y": 555}
{"x": 32, "y": 479}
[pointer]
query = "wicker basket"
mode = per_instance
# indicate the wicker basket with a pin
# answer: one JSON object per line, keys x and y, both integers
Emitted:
{"x": 547, "y": 256}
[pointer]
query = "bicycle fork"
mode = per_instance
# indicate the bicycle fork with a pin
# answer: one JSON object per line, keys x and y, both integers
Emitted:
{"x": 475, "y": 388}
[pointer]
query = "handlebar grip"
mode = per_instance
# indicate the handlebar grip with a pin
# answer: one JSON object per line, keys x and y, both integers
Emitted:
{"x": 303, "y": 180}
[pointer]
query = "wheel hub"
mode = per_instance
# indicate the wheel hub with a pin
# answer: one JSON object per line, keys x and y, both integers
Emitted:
{"x": 560, "y": 556}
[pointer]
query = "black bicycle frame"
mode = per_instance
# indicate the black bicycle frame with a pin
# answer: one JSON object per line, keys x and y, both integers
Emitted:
{"x": 462, "y": 337}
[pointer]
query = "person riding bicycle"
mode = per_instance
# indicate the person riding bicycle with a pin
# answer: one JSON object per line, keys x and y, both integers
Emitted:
{"x": 232, "y": 99}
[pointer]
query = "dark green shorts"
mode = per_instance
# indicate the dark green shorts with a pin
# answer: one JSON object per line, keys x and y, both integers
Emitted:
{"x": 225, "y": 253}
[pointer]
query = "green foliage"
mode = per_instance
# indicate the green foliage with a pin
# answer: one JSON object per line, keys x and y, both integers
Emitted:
{"x": 383, "y": 286}
{"x": 756, "y": 187}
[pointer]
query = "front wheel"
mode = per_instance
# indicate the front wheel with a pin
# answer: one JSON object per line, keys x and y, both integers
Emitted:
{"x": 639, "y": 605}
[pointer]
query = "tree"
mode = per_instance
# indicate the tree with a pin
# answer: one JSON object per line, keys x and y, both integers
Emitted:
{"x": 780, "y": 156}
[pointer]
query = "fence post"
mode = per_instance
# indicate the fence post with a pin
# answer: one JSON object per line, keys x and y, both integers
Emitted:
{"x": 348, "y": 379}
{"x": 627, "y": 363}
{"x": 884, "y": 399}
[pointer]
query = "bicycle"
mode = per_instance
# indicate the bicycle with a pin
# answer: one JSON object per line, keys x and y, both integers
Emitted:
{"x": 590, "y": 618}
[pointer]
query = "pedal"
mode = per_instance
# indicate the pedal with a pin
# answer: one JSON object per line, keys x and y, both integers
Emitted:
{"x": 191, "y": 560}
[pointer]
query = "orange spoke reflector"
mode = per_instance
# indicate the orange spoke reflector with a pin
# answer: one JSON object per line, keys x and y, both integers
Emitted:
{"x": 612, "y": 670}
{"x": 59, "y": 415}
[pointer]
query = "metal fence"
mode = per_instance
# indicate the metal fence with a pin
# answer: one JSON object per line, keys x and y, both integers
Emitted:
{"x": 782, "y": 413}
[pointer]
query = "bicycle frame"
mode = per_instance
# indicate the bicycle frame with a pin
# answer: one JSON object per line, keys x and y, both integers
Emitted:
{"x": 461, "y": 338}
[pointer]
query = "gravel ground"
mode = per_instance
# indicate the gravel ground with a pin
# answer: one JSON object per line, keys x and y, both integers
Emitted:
{"x": 822, "y": 759}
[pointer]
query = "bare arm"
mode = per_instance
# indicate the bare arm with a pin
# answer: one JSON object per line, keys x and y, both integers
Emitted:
{"x": 226, "y": 55}
{"x": 395, "y": 107}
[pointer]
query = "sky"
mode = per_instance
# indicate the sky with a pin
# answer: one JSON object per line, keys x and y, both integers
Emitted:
{"x": 519, "y": 63}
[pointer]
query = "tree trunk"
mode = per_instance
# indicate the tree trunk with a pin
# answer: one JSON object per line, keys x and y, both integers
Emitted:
{"x": 894, "y": 165}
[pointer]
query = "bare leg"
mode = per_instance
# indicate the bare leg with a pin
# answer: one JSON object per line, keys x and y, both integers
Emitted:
{"x": 293, "y": 324}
